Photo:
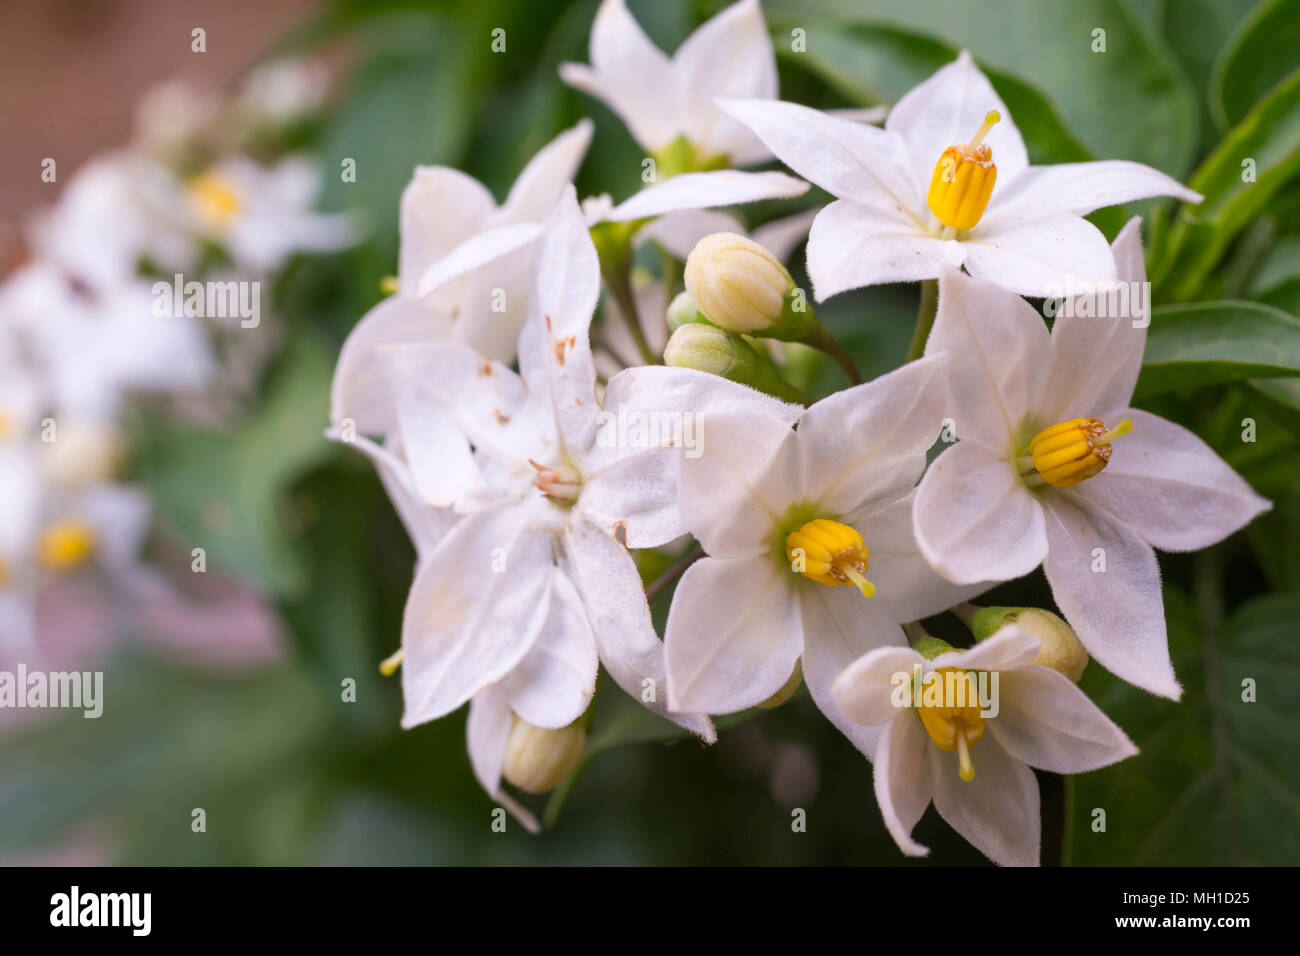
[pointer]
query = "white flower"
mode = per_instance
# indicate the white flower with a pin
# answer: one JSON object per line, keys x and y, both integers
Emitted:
{"x": 938, "y": 151}
{"x": 937, "y": 741}
{"x": 466, "y": 267}
{"x": 449, "y": 220}
{"x": 533, "y": 582}
{"x": 94, "y": 343}
{"x": 833, "y": 498}
{"x": 261, "y": 215}
{"x": 661, "y": 99}
{"x": 990, "y": 508}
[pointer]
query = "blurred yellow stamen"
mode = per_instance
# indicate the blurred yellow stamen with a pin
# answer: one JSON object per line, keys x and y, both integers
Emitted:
{"x": 830, "y": 553}
{"x": 950, "y": 710}
{"x": 1071, "y": 452}
{"x": 388, "y": 285}
{"x": 215, "y": 197}
{"x": 963, "y": 180}
{"x": 4, "y": 572}
{"x": 66, "y": 544}
{"x": 389, "y": 665}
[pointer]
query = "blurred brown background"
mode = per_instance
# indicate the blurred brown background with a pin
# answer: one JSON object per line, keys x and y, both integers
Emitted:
{"x": 72, "y": 70}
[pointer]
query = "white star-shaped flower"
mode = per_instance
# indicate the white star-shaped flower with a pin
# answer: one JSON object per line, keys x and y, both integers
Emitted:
{"x": 939, "y": 740}
{"x": 1054, "y": 468}
{"x": 947, "y": 182}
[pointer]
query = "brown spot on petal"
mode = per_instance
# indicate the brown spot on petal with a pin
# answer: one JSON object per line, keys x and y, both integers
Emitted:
{"x": 486, "y": 370}
{"x": 548, "y": 323}
{"x": 620, "y": 533}
{"x": 501, "y": 418}
{"x": 562, "y": 348}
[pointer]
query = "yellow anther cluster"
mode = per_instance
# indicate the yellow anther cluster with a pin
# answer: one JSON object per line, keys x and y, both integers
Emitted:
{"x": 215, "y": 196}
{"x": 1070, "y": 452}
{"x": 829, "y": 553}
{"x": 954, "y": 722}
{"x": 66, "y": 545}
{"x": 963, "y": 180}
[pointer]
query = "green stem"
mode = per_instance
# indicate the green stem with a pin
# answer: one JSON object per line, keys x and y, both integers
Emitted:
{"x": 618, "y": 277}
{"x": 675, "y": 571}
{"x": 924, "y": 318}
{"x": 823, "y": 341}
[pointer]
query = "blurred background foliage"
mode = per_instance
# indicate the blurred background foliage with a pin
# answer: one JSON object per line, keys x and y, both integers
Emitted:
{"x": 289, "y": 773}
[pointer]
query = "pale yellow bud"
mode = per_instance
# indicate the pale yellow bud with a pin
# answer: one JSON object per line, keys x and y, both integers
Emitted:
{"x": 83, "y": 452}
{"x": 736, "y": 282}
{"x": 705, "y": 348}
{"x": 538, "y": 759}
{"x": 1062, "y": 650}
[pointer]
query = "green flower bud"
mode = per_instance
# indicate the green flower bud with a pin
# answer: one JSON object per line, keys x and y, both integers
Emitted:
{"x": 683, "y": 311}
{"x": 931, "y": 647}
{"x": 708, "y": 348}
{"x": 1062, "y": 650}
{"x": 538, "y": 759}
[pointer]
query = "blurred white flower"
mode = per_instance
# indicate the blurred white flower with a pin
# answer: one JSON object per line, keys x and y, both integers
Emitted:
{"x": 1054, "y": 468}
{"x": 933, "y": 746}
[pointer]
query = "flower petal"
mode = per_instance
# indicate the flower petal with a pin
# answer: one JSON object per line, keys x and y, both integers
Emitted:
{"x": 1042, "y": 257}
{"x": 853, "y": 245}
{"x": 904, "y": 580}
{"x": 866, "y": 690}
{"x": 1169, "y": 488}
{"x": 1079, "y": 188}
{"x": 1117, "y": 612}
{"x": 975, "y": 520}
{"x": 783, "y": 236}
{"x": 554, "y": 682}
{"x": 441, "y": 207}
{"x": 729, "y": 55}
{"x": 1045, "y": 721}
{"x": 746, "y": 479}
{"x": 998, "y": 811}
{"x": 466, "y": 624}
{"x": 723, "y": 187}
{"x": 629, "y": 73}
{"x": 999, "y": 345}
{"x": 839, "y": 626}
{"x": 555, "y": 347}
{"x": 902, "y": 780}
{"x": 867, "y": 444}
{"x": 606, "y": 577}
{"x": 1009, "y": 649}
{"x": 1096, "y": 359}
{"x": 486, "y": 733}
{"x": 541, "y": 183}
{"x": 733, "y": 635}
{"x": 474, "y": 253}
{"x": 362, "y": 388}
{"x": 946, "y": 110}
{"x": 849, "y": 160}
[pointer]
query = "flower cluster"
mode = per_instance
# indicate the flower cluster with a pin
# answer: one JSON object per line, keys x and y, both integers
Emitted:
{"x": 823, "y": 531}
{"x": 141, "y": 283}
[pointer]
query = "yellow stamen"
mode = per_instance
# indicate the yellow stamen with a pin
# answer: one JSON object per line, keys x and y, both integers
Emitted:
{"x": 66, "y": 544}
{"x": 1071, "y": 452}
{"x": 6, "y": 424}
{"x": 829, "y": 553}
{"x": 4, "y": 572}
{"x": 388, "y": 285}
{"x": 950, "y": 711}
{"x": 389, "y": 665}
{"x": 215, "y": 197}
{"x": 963, "y": 180}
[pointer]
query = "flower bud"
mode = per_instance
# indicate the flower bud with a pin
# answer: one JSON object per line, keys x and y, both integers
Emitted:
{"x": 683, "y": 311}
{"x": 537, "y": 758}
{"x": 706, "y": 348}
{"x": 1062, "y": 650}
{"x": 83, "y": 452}
{"x": 787, "y": 689}
{"x": 737, "y": 283}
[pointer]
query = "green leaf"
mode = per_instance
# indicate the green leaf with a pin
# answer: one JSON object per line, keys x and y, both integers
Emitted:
{"x": 1208, "y": 343}
{"x": 1130, "y": 102}
{"x": 1195, "y": 31}
{"x": 1216, "y": 782}
{"x": 1268, "y": 138}
{"x": 224, "y": 490}
{"x": 1258, "y": 56}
